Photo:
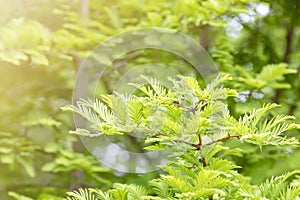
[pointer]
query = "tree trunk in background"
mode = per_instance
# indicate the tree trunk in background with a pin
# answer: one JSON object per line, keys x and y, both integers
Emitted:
{"x": 84, "y": 10}
{"x": 288, "y": 51}
{"x": 78, "y": 177}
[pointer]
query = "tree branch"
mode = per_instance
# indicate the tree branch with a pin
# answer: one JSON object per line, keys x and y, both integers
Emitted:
{"x": 221, "y": 139}
{"x": 200, "y": 140}
{"x": 188, "y": 143}
{"x": 190, "y": 109}
{"x": 199, "y": 145}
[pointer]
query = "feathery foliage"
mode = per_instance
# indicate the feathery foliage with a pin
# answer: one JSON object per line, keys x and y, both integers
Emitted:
{"x": 193, "y": 122}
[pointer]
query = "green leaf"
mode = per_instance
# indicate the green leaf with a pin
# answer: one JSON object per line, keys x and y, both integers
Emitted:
{"x": 18, "y": 196}
{"x": 28, "y": 165}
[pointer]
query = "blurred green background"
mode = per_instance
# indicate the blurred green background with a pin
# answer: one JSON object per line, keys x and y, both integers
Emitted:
{"x": 43, "y": 43}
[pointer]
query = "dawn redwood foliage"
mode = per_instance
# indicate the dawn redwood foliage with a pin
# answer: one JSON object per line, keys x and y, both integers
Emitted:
{"x": 192, "y": 122}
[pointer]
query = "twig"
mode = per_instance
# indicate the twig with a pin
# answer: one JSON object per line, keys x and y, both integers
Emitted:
{"x": 199, "y": 145}
{"x": 221, "y": 139}
{"x": 190, "y": 109}
{"x": 188, "y": 143}
{"x": 200, "y": 140}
